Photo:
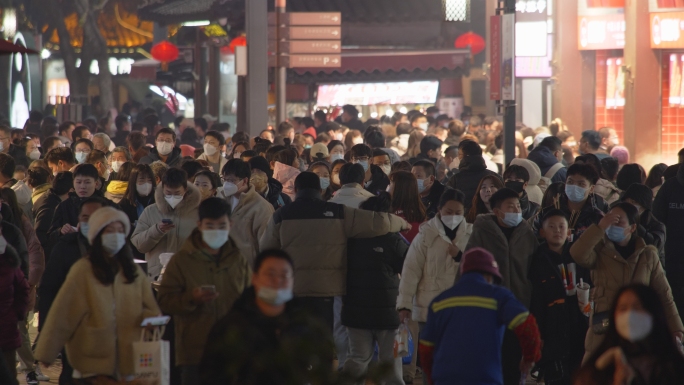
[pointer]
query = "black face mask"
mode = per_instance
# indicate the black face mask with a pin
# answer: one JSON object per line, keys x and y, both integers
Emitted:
{"x": 515, "y": 186}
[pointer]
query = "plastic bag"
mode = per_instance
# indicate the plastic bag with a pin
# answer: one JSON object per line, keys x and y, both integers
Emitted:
{"x": 403, "y": 344}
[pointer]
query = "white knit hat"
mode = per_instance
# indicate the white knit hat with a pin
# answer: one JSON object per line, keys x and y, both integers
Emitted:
{"x": 103, "y": 217}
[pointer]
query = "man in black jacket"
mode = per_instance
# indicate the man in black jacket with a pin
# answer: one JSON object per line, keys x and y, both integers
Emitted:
{"x": 668, "y": 207}
{"x": 428, "y": 186}
{"x": 649, "y": 227}
{"x": 375, "y": 180}
{"x": 44, "y": 208}
{"x": 516, "y": 178}
{"x": 165, "y": 149}
{"x": 373, "y": 265}
{"x": 6, "y": 147}
{"x": 548, "y": 155}
{"x": 471, "y": 170}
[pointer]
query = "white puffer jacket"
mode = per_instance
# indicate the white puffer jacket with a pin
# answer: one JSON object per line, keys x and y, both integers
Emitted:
{"x": 428, "y": 268}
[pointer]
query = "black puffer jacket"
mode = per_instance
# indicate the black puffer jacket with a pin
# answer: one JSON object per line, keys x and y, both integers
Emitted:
{"x": 653, "y": 233}
{"x": 373, "y": 265}
{"x": 471, "y": 170}
{"x": 67, "y": 212}
{"x": 668, "y": 208}
{"x": 275, "y": 195}
{"x": 378, "y": 182}
{"x": 431, "y": 201}
{"x": 43, "y": 212}
{"x": 529, "y": 209}
{"x": 172, "y": 161}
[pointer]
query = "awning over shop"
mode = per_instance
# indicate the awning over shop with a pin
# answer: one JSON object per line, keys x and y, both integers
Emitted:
{"x": 364, "y": 66}
{"x": 178, "y": 11}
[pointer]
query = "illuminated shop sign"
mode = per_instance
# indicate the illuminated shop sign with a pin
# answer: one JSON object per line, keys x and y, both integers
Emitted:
{"x": 602, "y": 32}
{"x": 667, "y": 30}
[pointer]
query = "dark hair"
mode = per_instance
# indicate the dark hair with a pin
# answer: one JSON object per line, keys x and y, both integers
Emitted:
{"x": 104, "y": 270}
{"x": 380, "y": 203}
{"x": 63, "y": 182}
{"x": 124, "y": 172}
{"x": 352, "y": 173}
{"x": 593, "y": 138}
{"x": 500, "y": 196}
{"x": 451, "y": 194}
{"x": 189, "y": 136}
{"x": 429, "y": 143}
{"x": 120, "y": 121}
{"x": 261, "y": 145}
{"x": 10, "y": 198}
{"x": 216, "y": 135}
{"x": 629, "y": 174}
{"x": 320, "y": 115}
{"x": 214, "y": 208}
{"x": 90, "y": 200}
{"x": 60, "y": 153}
{"x": 283, "y": 128}
{"x": 286, "y": 156}
{"x": 202, "y": 123}
{"x": 552, "y": 143}
{"x": 307, "y": 180}
{"x": 334, "y": 143}
{"x": 213, "y": 178}
{"x": 78, "y": 132}
{"x": 552, "y": 195}
{"x": 136, "y": 140}
{"x": 360, "y": 150}
{"x": 351, "y": 110}
{"x": 240, "y": 138}
{"x": 374, "y": 138}
{"x": 469, "y": 148}
{"x": 249, "y": 154}
{"x": 427, "y": 166}
{"x": 175, "y": 177}
{"x": 191, "y": 167}
{"x": 47, "y": 128}
{"x": 592, "y": 160}
{"x": 65, "y": 126}
{"x": 165, "y": 130}
{"x": 272, "y": 151}
{"x": 377, "y": 152}
{"x": 37, "y": 176}
{"x": 237, "y": 167}
{"x": 655, "y": 175}
{"x": 554, "y": 212}
{"x": 7, "y": 165}
{"x": 610, "y": 167}
{"x": 629, "y": 209}
{"x": 88, "y": 143}
{"x": 402, "y": 166}
{"x": 96, "y": 156}
{"x": 406, "y": 197}
{"x": 131, "y": 194}
{"x": 415, "y": 117}
{"x": 87, "y": 170}
{"x": 515, "y": 171}
{"x": 586, "y": 170}
{"x": 404, "y": 128}
{"x": 271, "y": 253}
{"x": 477, "y": 205}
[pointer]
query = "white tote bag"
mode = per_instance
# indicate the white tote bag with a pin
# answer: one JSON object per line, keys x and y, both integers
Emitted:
{"x": 152, "y": 358}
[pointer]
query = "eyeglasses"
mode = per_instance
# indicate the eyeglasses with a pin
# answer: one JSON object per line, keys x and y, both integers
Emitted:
{"x": 230, "y": 180}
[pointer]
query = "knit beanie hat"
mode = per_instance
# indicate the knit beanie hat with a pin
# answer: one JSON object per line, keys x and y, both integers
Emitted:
{"x": 481, "y": 261}
{"x": 102, "y": 218}
{"x": 620, "y": 153}
{"x": 639, "y": 193}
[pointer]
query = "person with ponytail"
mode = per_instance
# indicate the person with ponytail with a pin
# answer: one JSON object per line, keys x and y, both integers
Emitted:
{"x": 98, "y": 329}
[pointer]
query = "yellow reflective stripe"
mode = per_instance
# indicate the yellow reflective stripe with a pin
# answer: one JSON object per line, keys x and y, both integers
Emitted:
{"x": 520, "y": 318}
{"x": 483, "y": 302}
{"x": 427, "y": 343}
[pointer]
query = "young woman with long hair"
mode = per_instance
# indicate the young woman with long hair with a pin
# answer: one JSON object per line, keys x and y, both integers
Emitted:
{"x": 139, "y": 194}
{"x": 487, "y": 187}
{"x": 406, "y": 201}
{"x": 323, "y": 171}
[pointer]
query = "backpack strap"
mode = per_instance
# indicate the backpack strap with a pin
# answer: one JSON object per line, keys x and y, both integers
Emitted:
{"x": 553, "y": 170}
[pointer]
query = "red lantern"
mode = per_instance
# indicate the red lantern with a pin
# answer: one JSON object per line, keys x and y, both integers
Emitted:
{"x": 165, "y": 52}
{"x": 238, "y": 41}
{"x": 472, "y": 40}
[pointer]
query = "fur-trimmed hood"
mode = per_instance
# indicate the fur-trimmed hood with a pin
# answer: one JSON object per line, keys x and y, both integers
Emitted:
{"x": 190, "y": 201}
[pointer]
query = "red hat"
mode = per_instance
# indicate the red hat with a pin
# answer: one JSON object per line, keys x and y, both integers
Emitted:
{"x": 310, "y": 131}
{"x": 481, "y": 261}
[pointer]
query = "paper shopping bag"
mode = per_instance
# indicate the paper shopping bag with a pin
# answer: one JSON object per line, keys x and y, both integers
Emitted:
{"x": 152, "y": 360}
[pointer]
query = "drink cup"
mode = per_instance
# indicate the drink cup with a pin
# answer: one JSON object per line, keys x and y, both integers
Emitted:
{"x": 582, "y": 294}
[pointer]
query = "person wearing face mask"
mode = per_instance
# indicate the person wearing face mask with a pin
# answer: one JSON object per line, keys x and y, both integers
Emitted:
{"x": 98, "y": 159}
{"x": 374, "y": 179}
{"x": 420, "y": 122}
{"x": 336, "y": 150}
{"x": 18, "y": 153}
{"x": 165, "y": 149}
{"x": 562, "y": 321}
{"x": 275, "y": 332}
{"x": 471, "y": 170}
{"x": 32, "y": 149}
{"x": 106, "y": 322}
{"x": 382, "y": 160}
{"x": 375, "y": 139}
{"x": 117, "y": 187}
{"x": 201, "y": 282}
{"x": 335, "y": 167}
{"x": 428, "y": 186}
{"x": 323, "y": 171}
{"x": 250, "y": 211}
{"x": 582, "y": 207}
{"x": 430, "y": 149}
{"x": 617, "y": 256}
{"x": 118, "y": 156}
{"x": 517, "y": 178}
{"x": 208, "y": 183}
{"x": 214, "y": 144}
{"x": 139, "y": 194}
{"x": 81, "y": 149}
{"x": 649, "y": 228}
{"x": 351, "y": 192}
{"x": 512, "y": 242}
{"x": 68, "y": 250}
{"x": 269, "y": 188}
{"x": 638, "y": 347}
{"x": 164, "y": 226}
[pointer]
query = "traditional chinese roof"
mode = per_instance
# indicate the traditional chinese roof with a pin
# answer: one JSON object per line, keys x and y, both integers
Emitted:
{"x": 178, "y": 11}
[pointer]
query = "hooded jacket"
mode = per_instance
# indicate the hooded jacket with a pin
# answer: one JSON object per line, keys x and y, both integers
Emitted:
{"x": 471, "y": 170}
{"x": 188, "y": 269}
{"x": 513, "y": 255}
{"x": 607, "y": 191}
{"x": 14, "y": 297}
{"x": 116, "y": 190}
{"x": 222, "y": 161}
{"x": 668, "y": 208}
{"x": 610, "y": 271}
{"x": 149, "y": 239}
{"x": 534, "y": 193}
{"x": 351, "y": 195}
{"x": 429, "y": 269}
{"x": 315, "y": 233}
{"x": 544, "y": 159}
{"x": 172, "y": 161}
{"x": 275, "y": 196}
{"x": 98, "y": 329}
{"x": 38, "y": 192}
{"x": 286, "y": 176}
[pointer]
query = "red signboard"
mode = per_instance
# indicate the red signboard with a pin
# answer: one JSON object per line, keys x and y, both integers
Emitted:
{"x": 602, "y": 32}
{"x": 667, "y": 30}
{"x": 495, "y": 66}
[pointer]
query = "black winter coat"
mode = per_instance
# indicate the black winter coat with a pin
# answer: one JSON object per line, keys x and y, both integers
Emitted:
{"x": 379, "y": 180}
{"x": 248, "y": 348}
{"x": 15, "y": 238}
{"x": 275, "y": 195}
{"x": 544, "y": 158}
{"x": 471, "y": 170}
{"x": 172, "y": 161}
{"x": 653, "y": 233}
{"x": 132, "y": 213}
{"x": 373, "y": 268}
{"x": 43, "y": 212}
{"x": 19, "y": 155}
{"x": 592, "y": 212}
{"x": 70, "y": 248}
{"x": 561, "y": 323}
{"x": 67, "y": 212}
{"x": 431, "y": 201}
{"x": 529, "y": 209}
{"x": 668, "y": 208}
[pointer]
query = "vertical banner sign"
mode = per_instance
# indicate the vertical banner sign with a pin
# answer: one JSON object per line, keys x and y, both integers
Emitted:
{"x": 495, "y": 58}
{"x": 508, "y": 57}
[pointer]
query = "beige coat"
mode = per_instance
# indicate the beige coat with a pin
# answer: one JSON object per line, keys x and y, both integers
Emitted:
{"x": 222, "y": 161}
{"x": 147, "y": 237}
{"x": 428, "y": 267}
{"x": 351, "y": 195}
{"x": 610, "y": 271}
{"x": 95, "y": 322}
{"x": 189, "y": 268}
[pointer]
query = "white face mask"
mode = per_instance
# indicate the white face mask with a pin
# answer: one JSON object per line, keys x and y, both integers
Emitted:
{"x": 452, "y": 221}
{"x": 275, "y": 297}
{"x": 34, "y": 155}
{"x": 334, "y": 157}
{"x": 113, "y": 242}
{"x": 84, "y": 229}
{"x": 106, "y": 175}
{"x": 173, "y": 200}
{"x": 209, "y": 149}
{"x": 81, "y": 157}
{"x": 229, "y": 189}
{"x": 3, "y": 244}
{"x": 215, "y": 238}
{"x": 424, "y": 126}
{"x": 633, "y": 325}
{"x": 144, "y": 189}
{"x": 116, "y": 165}
{"x": 339, "y": 136}
{"x": 386, "y": 168}
{"x": 164, "y": 148}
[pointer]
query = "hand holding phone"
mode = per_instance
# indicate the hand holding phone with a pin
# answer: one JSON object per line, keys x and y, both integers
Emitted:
{"x": 204, "y": 294}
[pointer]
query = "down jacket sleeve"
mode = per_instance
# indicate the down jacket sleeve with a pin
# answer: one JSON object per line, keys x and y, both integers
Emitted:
{"x": 174, "y": 296}
{"x": 270, "y": 239}
{"x": 584, "y": 250}
{"x": 412, "y": 272}
{"x": 146, "y": 235}
{"x": 369, "y": 224}
{"x": 662, "y": 287}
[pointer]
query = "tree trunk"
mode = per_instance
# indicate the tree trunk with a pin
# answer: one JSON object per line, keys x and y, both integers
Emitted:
{"x": 78, "y": 77}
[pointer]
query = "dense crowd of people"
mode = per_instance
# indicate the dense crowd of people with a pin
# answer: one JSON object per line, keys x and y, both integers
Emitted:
{"x": 301, "y": 255}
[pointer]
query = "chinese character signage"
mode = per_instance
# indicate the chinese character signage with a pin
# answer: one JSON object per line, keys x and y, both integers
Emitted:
{"x": 602, "y": 32}
{"x": 667, "y": 30}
